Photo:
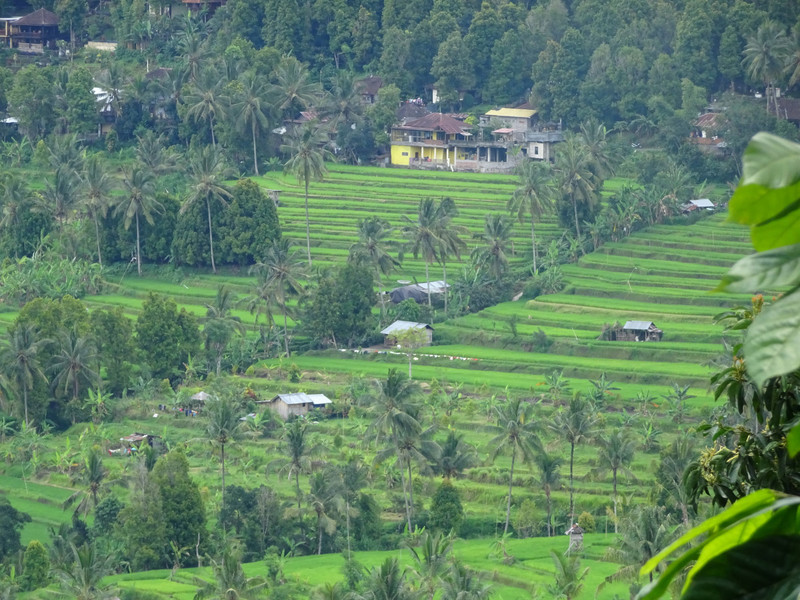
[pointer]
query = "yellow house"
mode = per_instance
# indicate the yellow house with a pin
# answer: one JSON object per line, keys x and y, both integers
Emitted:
{"x": 431, "y": 140}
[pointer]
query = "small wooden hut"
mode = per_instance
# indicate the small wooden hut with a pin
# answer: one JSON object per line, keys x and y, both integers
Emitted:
{"x": 637, "y": 331}
{"x": 391, "y": 333}
{"x": 295, "y": 405}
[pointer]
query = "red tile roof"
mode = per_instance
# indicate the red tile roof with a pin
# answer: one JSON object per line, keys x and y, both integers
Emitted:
{"x": 438, "y": 122}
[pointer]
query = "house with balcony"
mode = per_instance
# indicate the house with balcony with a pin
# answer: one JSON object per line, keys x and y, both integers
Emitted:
{"x": 506, "y": 137}
{"x": 32, "y": 33}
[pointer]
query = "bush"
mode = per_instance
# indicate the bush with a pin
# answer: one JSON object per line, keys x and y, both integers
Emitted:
{"x": 586, "y": 522}
{"x": 446, "y": 512}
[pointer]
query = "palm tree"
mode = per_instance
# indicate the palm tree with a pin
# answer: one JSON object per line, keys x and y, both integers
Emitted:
{"x": 432, "y": 562}
{"x": 616, "y": 454}
{"x": 387, "y": 582}
{"x": 151, "y": 153}
{"x": 354, "y": 477}
{"x": 373, "y": 233}
{"x": 223, "y": 428}
{"x": 220, "y": 324}
{"x": 208, "y": 173}
{"x": 294, "y": 89}
{"x": 60, "y": 195}
{"x": 280, "y": 272}
{"x": 594, "y": 137}
{"x": 91, "y": 478}
{"x": 568, "y": 575}
{"x": 392, "y": 405}
{"x": 139, "y": 201}
{"x": 576, "y": 423}
{"x": 765, "y": 57}
{"x": 230, "y": 581}
{"x": 97, "y": 186}
{"x": 19, "y": 361}
{"x": 450, "y": 242}
{"x": 294, "y": 434}
{"x": 326, "y": 498}
{"x": 423, "y": 236}
{"x": 793, "y": 58}
{"x": 305, "y": 147}
{"x": 492, "y": 256}
{"x": 206, "y": 100}
{"x": 549, "y": 478}
{"x": 71, "y": 366}
{"x": 250, "y": 110}
{"x": 517, "y": 434}
{"x": 81, "y": 579}
{"x": 342, "y": 104}
{"x": 533, "y": 196}
{"x": 455, "y": 456}
{"x": 462, "y": 583}
{"x": 575, "y": 179}
{"x": 14, "y": 195}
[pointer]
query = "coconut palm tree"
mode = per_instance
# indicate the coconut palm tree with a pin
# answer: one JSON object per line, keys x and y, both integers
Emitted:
{"x": 70, "y": 367}
{"x": 342, "y": 104}
{"x": 151, "y": 152}
{"x": 97, "y": 187}
{"x": 431, "y": 563}
{"x": 765, "y": 57}
{"x": 549, "y": 478}
{"x": 575, "y": 180}
{"x": 250, "y": 110}
{"x": 139, "y": 201}
{"x": 294, "y": 435}
{"x": 449, "y": 234}
{"x": 60, "y": 195}
{"x": 81, "y": 578}
{"x": 516, "y": 433}
{"x": 615, "y": 454}
{"x": 220, "y": 324}
{"x": 206, "y": 100}
{"x": 533, "y": 197}
{"x": 793, "y": 58}
{"x": 575, "y": 423}
{"x": 90, "y": 478}
{"x": 392, "y": 405}
{"x": 594, "y": 135}
{"x": 387, "y": 582}
{"x": 305, "y": 146}
{"x": 462, "y": 583}
{"x": 455, "y": 456}
{"x": 423, "y": 235}
{"x": 326, "y": 499}
{"x": 207, "y": 175}
{"x": 19, "y": 361}
{"x": 373, "y": 233}
{"x": 569, "y": 577}
{"x": 280, "y": 272}
{"x": 230, "y": 581}
{"x": 294, "y": 90}
{"x": 223, "y": 428}
{"x": 492, "y": 255}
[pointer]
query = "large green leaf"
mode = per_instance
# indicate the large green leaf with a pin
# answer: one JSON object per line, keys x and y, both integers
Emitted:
{"x": 793, "y": 441}
{"x": 771, "y": 347}
{"x": 768, "y": 196}
{"x": 768, "y": 567}
{"x": 779, "y": 267}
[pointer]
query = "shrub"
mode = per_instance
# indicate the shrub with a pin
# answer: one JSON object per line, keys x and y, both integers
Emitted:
{"x": 446, "y": 512}
{"x": 586, "y": 522}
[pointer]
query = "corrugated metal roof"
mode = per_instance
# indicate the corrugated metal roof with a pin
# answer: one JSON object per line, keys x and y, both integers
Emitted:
{"x": 702, "y": 203}
{"x": 638, "y": 325}
{"x": 438, "y": 122}
{"x": 511, "y": 112}
{"x": 298, "y": 398}
{"x": 404, "y": 326}
{"x": 319, "y": 399}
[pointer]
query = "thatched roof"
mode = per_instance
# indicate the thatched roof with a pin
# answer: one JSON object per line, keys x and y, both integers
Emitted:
{"x": 39, "y": 18}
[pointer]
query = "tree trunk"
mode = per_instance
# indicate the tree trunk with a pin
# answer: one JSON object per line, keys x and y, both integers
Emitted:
{"x": 444, "y": 278}
{"x": 405, "y": 497}
{"x": 347, "y": 516}
{"x": 297, "y": 487}
{"x": 285, "y": 333}
{"x": 319, "y": 535}
{"x": 428, "y": 282}
{"x": 255, "y": 152}
{"x": 138, "y": 249}
{"x": 410, "y": 491}
{"x": 97, "y": 235}
{"x": 308, "y": 228}
{"x": 25, "y": 401}
{"x": 380, "y": 294}
{"x": 571, "y": 486}
{"x": 549, "y": 513}
{"x": 533, "y": 245}
{"x": 614, "y": 471}
{"x": 510, "y": 486}
{"x": 213, "y": 139}
{"x": 210, "y": 235}
{"x": 575, "y": 212}
{"x": 222, "y": 446}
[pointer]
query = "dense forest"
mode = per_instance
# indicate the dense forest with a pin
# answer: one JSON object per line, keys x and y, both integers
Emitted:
{"x": 153, "y": 162}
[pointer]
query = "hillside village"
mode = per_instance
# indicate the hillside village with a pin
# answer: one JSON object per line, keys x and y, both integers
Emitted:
{"x": 362, "y": 299}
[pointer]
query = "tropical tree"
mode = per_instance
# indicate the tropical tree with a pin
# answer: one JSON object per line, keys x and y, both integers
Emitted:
{"x": 342, "y": 104}
{"x": 294, "y": 436}
{"x": 516, "y": 433}
{"x": 387, "y": 582}
{"x": 549, "y": 479}
{"x": 492, "y": 255}
{"x": 81, "y": 578}
{"x": 90, "y": 477}
{"x": 305, "y": 147}
{"x": 574, "y": 178}
{"x": 293, "y": 89}
{"x": 373, "y": 233}
{"x": 250, "y": 110}
{"x": 423, "y": 235}
{"x": 97, "y": 187}
{"x": 449, "y": 234}
{"x": 593, "y": 135}
{"x": 392, "y": 405}
{"x": 326, "y": 497}
{"x": 153, "y": 154}
{"x": 455, "y": 456}
{"x": 60, "y": 195}
{"x": 533, "y": 197}
{"x": 220, "y": 324}
{"x": 765, "y": 57}
{"x": 139, "y": 201}
{"x": 615, "y": 454}
{"x": 207, "y": 174}
{"x": 19, "y": 361}
{"x": 223, "y": 428}
{"x": 279, "y": 277}
{"x": 462, "y": 583}
{"x": 206, "y": 99}
{"x": 575, "y": 423}
{"x": 71, "y": 366}
{"x": 431, "y": 561}
{"x": 230, "y": 581}
{"x": 569, "y": 578}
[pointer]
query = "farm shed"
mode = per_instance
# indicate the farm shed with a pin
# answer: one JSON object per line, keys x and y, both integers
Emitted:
{"x": 391, "y": 332}
{"x": 699, "y": 204}
{"x": 295, "y": 405}
{"x": 638, "y": 331}
{"x": 135, "y": 440}
{"x": 417, "y": 291}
